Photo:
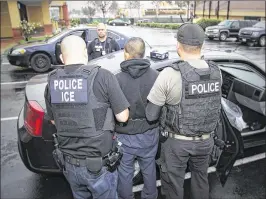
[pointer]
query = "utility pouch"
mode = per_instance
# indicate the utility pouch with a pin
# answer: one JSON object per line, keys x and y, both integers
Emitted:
{"x": 59, "y": 159}
{"x": 94, "y": 164}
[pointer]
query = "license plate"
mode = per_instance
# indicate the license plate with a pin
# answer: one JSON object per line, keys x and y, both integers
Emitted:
{"x": 244, "y": 40}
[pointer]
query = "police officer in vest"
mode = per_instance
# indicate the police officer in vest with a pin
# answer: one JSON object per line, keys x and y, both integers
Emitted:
{"x": 139, "y": 138}
{"x": 82, "y": 102}
{"x": 103, "y": 44}
{"x": 187, "y": 98}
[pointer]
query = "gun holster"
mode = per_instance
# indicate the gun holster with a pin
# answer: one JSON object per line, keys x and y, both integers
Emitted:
{"x": 112, "y": 159}
{"x": 59, "y": 159}
{"x": 163, "y": 136}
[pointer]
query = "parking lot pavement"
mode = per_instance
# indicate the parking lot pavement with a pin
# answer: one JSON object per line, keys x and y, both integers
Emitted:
{"x": 246, "y": 181}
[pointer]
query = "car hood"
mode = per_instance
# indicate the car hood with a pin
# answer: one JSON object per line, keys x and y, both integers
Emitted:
{"x": 214, "y": 27}
{"x": 30, "y": 44}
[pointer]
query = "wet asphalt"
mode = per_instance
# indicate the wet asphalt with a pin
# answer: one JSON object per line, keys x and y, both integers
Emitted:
{"x": 245, "y": 181}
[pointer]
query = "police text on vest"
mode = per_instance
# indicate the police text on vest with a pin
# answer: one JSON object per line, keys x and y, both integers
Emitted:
{"x": 203, "y": 88}
{"x": 67, "y": 88}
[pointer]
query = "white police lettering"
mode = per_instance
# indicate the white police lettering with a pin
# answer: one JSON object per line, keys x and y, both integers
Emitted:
{"x": 80, "y": 83}
{"x": 55, "y": 84}
{"x": 72, "y": 96}
{"x": 204, "y": 88}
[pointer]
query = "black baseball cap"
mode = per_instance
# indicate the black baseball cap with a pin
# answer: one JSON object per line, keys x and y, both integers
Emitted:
{"x": 190, "y": 34}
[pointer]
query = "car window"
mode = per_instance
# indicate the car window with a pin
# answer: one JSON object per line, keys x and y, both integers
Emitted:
{"x": 225, "y": 23}
{"x": 244, "y": 72}
{"x": 80, "y": 33}
{"x": 260, "y": 24}
{"x": 235, "y": 24}
{"x": 92, "y": 34}
{"x": 113, "y": 35}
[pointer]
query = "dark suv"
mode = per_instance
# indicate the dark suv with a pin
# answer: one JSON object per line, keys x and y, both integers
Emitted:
{"x": 227, "y": 28}
{"x": 253, "y": 35}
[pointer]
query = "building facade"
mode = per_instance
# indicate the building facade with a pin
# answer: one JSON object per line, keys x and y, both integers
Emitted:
{"x": 248, "y": 10}
{"x": 13, "y": 12}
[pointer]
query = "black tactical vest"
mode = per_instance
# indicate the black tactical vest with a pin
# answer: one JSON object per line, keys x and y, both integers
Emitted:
{"x": 77, "y": 113}
{"x": 199, "y": 109}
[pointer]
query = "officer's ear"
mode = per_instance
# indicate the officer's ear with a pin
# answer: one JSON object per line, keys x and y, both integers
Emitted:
{"x": 126, "y": 55}
{"x": 61, "y": 58}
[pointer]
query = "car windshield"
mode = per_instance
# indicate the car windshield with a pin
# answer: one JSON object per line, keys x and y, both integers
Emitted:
{"x": 57, "y": 36}
{"x": 260, "y": 25}
{"x": 225, "y": 23}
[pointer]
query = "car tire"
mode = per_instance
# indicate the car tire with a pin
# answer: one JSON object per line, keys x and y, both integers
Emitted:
{"x": 223, "y": 36}
{"x": 262, "y": 41}
{"x": 210, "y": 38}
{"x": 40, "y": 62}
{"x": 125, "y": 24}
{"x": 113, "y": 24}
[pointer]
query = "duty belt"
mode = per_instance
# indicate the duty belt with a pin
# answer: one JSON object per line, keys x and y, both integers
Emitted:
{"x": 182, "y": 137}
{"x": 80, "y": 162}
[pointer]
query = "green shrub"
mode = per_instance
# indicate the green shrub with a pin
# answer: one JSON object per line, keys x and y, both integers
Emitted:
{"x": 204, "y": 23}
{"x": 159, "y": 25}
{"x": 74, "y": 22}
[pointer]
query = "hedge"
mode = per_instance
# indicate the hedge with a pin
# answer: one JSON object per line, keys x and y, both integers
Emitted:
{"x": 159, "y": 25}
{"x": 204, "y": 23}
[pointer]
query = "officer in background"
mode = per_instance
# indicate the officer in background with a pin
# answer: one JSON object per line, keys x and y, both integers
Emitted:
{"x": 187, "y": 98}
{"x": 81, "y": 101}
{"x": 103, "y": 44}
{"x": 139, "y": 138}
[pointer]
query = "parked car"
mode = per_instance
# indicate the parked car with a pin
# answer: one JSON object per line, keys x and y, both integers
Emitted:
{"x": 243, "y": 84}
{"x": 119, "y": 22}
{"x": 41, "y": 55}
{"x": 227, "y": 29}
{"x": 254, "y": 34}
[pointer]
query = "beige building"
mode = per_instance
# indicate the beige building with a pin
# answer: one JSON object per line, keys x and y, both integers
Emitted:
{"x": 13, "y": 12}
{"x": 250, "y": 10}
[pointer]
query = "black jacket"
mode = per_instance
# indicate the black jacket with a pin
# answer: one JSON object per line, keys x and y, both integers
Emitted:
{"x": 110, "y": 45}
{"x": 136, "y": 80}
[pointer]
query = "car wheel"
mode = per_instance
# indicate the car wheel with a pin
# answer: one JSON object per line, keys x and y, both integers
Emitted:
{"x": 223, "y": 36}
{"x": 113, "y": 24}
{"x": 262, "y": 41}
{"x": 125, "y": 24}
{"x": 40, "y": 62}
{"x": 210, "y": 38}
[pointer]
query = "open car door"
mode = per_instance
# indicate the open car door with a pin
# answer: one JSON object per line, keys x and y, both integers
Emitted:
{"x": 232, "y": 149}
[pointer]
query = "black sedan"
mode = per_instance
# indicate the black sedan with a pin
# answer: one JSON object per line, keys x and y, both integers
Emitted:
{"x": 41, "y": 55}
{"x": 243, "y": 84}
{"x": 119, "y": 22}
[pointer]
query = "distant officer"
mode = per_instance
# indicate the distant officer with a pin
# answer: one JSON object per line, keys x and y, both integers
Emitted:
{"x": 81, "y": 100}
{"x": 187, "y": 98}
{"x": 139, "y": 138}
{"x": 103, "y": 44}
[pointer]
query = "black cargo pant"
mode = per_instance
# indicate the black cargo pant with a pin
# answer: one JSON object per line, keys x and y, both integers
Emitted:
{"x": 175, "y": 154}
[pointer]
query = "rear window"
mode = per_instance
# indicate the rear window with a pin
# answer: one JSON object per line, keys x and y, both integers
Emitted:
{"x": 260, "y": 24}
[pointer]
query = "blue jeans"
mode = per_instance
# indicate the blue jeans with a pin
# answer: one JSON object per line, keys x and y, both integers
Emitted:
{"x": 86, "y": 185}
{"x": 142, "y": 147}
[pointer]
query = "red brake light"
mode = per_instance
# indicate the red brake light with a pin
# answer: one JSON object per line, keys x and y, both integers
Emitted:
{"x": 34, "y": 118}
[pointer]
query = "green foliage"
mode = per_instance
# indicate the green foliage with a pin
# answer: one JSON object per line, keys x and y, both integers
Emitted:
{"x": 204, "y": 23}
{"x": 74, "y": 22}
{"x": 159, "y": 25}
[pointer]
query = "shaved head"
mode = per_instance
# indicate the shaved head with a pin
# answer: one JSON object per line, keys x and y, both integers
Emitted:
{"x": 74, "y": 50}
{"x": 101, "y": 30}
{"x": 135, "y": 48}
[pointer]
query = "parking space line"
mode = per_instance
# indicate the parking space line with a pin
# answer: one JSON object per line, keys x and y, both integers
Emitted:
{"x": 5, "y": 63}
{"x": 7, "y": 83}
{"x": 212, "y": 169}
{"x": 8, "y": 118}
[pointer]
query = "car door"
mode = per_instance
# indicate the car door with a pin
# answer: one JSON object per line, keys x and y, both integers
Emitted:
{"x": 234, "y": 28}
{"x": 119, "y": 38}
{"x": 81, "y": 33}
{"x": 245, "y": 87}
